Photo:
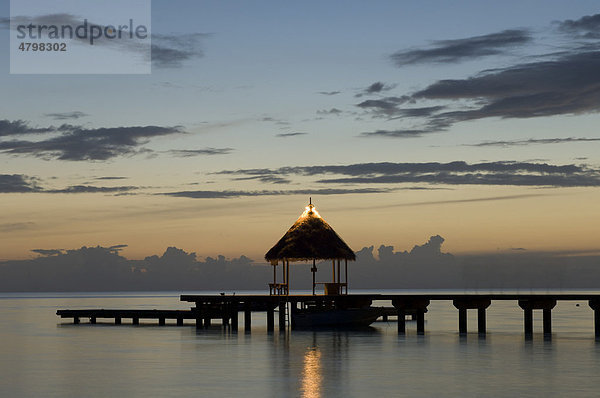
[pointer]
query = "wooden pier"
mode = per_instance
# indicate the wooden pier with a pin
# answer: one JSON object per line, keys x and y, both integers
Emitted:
{"x": 227, "y": 308}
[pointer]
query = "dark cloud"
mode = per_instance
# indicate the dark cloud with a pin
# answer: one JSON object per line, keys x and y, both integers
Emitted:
{"x": 66, "y": 115}
{"x": 285, "y": 135}
{"x": 452, "y": 51}
{"x": 171, "y": 51}
{"x": 17, "y": 226}
{"x": 117, "y": 248}
{"x": 271, "y": 179}
{"x": 567, "y": 85}
{"x": 455, "y": 201}
{"x": 533, "y": 141}
{"x": 452, "y": 173}
{"x": 375, "y": 88}
{"x": 387, "y": 107}
{"x": 15, "y": 183}
{"x": 19, "y": 127}
{"x": 77, "y": 143}
{"x": 329, "y": 92}
{"x": 587, "y": 27}
{"x": 332, "y": 111}
{"x": 186, "y": 153}
{"x": 90, "y": 189}
{"x": 237, "y": 194}
{"x": 111, "y": 178}
{"x": 48, "y": 252}
{"x": 408, "y": 133}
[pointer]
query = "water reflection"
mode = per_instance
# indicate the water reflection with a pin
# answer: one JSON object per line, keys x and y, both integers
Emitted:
{"x": 312, "y": 378}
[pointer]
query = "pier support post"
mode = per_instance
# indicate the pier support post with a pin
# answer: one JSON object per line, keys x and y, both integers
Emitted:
{"x": 401, "y": 321}
{"x": 93, "y": 320}
{"x": 282, "y": 308}
{"x": 528, "y": 321}
{"x": 179, "y": 321}
{"x": 547, "y": 320}
{"x": 464, "y": 304}
{"x": 595, "y": 305}
{"x": 207, "y": 321}
{"x": 270, "y": 318}
{"x": 161, "y": 321}
{"x": 247, "y": 317}
{"x": 117, "y": 320}
{"x": 420, "y": 321}
{"x": 418, "y": 305}
{"x": 225, "y": 309}
{"x": 462, "y": 320}
{"x": 481, "y": 328}
{"x": 76, "y": 320}
{"x": 537, "y": 303}
{"x": 135, "y": 321}
{"x": 234, "y": 316}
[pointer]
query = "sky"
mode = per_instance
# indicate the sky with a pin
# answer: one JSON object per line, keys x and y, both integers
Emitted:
{"x": 476, "y": 121}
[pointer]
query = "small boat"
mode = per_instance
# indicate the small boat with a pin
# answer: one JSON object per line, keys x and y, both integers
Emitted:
{"x": 342, "y": 318}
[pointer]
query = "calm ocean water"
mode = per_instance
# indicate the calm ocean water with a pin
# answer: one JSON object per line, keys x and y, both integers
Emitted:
{"x": 44, "y": 356}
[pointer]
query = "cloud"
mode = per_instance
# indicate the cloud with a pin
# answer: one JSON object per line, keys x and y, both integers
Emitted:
{"x": 77, "y": 143}
{"x": 48, "y": 252}
{"x": 452, "y": 173}
{"x": 237, "y": 194}
{"x": 329, "y": 92}
{"x": 17, "y": 226}
{"x": 408, "y": 133}
{"x": 18, "y": 183}
{"x": 375, "y": 88}
{"x": 286, "y": 135}
{"x": 272, "y": 179}
{"x": 533, "y": 141}
{"x": 66, "y": 115}
{"x": 384, "y": 107}
{"x": 567, "y": 85}
{"x": 455, "y": 201}
{"x": 186, "y": 153}
{"x": 19, "y": 127}
{"x": 332, "y": 111}
{"x": 171, "y": 51}
{"x": 117, "y": 248}
{"x": 453, "y": 51}
{"x": 90, "y": 189}
{"x": 111, "y": 178}
{"x": 587, "y": 27}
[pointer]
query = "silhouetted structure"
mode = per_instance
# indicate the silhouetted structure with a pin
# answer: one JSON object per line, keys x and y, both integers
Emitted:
{"x": 310, "y": 238}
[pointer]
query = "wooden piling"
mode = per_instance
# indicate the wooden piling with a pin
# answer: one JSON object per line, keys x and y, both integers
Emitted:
{"x": 481, "y": 328}
{"x": 270, "y": 318}
{"x": 247, "y": 317}
{"x": 528, "y": 321}
{"x": 462, "y": 320}
{"x": 547, "y": 321}
{"x": 282, "y": 305}
{"x": 401, "y": 321}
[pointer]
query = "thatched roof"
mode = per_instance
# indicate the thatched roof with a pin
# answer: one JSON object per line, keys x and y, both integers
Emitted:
{"x": 310, "y": 238}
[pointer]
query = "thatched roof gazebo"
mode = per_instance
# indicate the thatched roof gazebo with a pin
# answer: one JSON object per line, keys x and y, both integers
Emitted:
{"x": 310, "y": 238}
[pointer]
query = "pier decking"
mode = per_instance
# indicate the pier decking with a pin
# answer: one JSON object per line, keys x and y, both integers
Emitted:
{"x": 227, "y": 308}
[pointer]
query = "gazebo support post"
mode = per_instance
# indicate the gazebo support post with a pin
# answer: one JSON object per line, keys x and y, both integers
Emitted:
{"x": 333, "y": 270}
{"x": 314, "y": 270}
{"x": 287, "y": 278}
{"x": 338, "y": 271}
{"x": 346, "y": 273}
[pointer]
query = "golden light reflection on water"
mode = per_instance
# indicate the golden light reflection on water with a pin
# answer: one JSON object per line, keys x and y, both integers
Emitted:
{"x": 311, "y": 373}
